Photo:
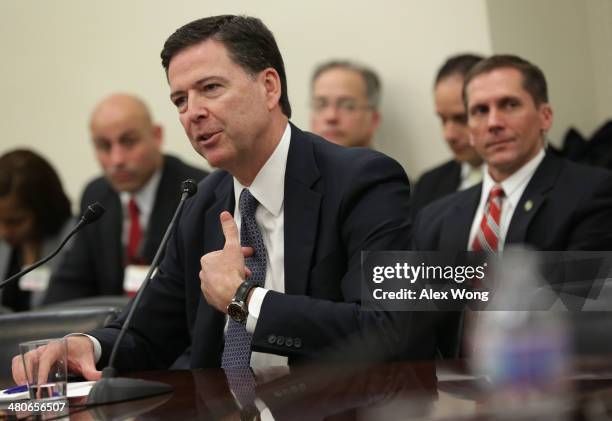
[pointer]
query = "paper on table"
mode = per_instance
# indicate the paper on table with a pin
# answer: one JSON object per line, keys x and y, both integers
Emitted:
{"x": 75, "y": 390}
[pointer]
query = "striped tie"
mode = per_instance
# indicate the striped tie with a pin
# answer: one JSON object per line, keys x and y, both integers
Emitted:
{"x": 487, "y": 237}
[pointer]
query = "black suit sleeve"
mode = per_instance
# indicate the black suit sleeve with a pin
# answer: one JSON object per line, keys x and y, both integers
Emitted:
{"x": 74, "y": 277}
{"x": 592, "y": 220}
{"x": 373, "y": 216}
{"x": 158, "y": 331}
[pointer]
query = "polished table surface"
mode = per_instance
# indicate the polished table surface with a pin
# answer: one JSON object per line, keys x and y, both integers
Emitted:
{"x": 422, "y": 391}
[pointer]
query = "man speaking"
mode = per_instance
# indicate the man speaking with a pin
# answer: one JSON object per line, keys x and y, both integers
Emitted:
{"x": 303, "y": 208}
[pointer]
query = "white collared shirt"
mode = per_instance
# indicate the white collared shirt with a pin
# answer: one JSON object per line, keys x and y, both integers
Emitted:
{"x": 268, "y": 188}
{"x": 513, "y": 186}
{"x": 145, "y": 200}
{"x": 470, "y": 176}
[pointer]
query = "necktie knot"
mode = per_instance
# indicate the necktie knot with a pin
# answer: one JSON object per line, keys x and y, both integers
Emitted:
{"x": 133, "y": 208}
{"x": 497, "y": 192}
{"x": 248, "y": 204}
{"x": 134, "y": 233}
{"x": 488, "y": 234}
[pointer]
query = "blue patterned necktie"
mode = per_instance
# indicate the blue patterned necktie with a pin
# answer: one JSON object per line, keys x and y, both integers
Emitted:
{"x": 237, "y": 349}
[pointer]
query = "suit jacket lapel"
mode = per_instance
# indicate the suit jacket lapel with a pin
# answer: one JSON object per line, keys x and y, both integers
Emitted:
{"x": 532, "y": 199}
{"x": 224, "y": 200}
{"x": 301, "y": 207}
{"x": 455, "y": 231}
{"x": 208, "y": 353}
{"x": 450, "y": 183}
{"x": 110, "y": 235}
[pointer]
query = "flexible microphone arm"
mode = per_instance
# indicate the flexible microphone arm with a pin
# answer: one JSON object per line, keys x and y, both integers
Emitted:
{"x": 91, "y": 214}
{"x": 110, "y": 389}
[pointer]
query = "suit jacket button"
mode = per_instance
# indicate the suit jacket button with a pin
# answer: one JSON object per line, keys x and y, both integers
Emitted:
{"x": 289, "y": 342}
{"x": 271, "y": 339}
{"x": 297, "y": 342}
{"x": 280, "y": 340}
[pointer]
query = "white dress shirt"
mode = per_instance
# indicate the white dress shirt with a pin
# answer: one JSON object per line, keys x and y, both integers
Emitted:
{"x": 470, "y": 176}
{"x": 513, "y": 186}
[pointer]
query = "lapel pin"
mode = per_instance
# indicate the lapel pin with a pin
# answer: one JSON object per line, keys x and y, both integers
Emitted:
{"x": 528, "y": 205}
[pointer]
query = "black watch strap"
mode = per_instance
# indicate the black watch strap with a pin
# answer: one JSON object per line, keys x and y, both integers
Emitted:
{"x": 243, "y": 291}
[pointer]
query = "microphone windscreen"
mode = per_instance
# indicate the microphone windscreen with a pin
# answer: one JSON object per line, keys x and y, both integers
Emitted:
{"x": 93, "y": 212}
{"x": 189, "y": 186}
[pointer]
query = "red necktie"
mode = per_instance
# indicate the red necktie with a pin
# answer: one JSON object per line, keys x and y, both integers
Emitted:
{"x": 487, "y": 236}
{"x": 135, "y": 234}
{"x": 486, "y": 239}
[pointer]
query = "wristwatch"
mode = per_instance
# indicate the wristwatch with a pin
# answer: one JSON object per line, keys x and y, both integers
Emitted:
{"x": 238, "y": 309}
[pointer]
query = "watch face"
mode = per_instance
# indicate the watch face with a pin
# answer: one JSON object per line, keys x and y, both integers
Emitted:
{"x": 237, "y": 311}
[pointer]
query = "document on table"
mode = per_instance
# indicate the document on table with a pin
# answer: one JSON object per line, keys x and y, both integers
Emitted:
{"x": 75, "y": 390}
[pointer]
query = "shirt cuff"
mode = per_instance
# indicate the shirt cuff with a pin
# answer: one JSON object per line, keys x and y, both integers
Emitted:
{"x": 254, "y": 307}
{"x": 96, "y": 345}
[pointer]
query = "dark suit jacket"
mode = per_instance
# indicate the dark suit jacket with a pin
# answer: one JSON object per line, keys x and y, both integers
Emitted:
{"x": 435, "y": 184}
{"x": 571, "y": 210}
{"x": 94, "y": 264}
{"x": 337, "y": 202}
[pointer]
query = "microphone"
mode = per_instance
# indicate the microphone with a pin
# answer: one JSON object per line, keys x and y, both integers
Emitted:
{"x": 109, "y": 388}
{"x": 91, "y": 214}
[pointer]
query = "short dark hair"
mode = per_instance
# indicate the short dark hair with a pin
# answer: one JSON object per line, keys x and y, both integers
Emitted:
{"x": 37, "y": 187}
{"x": 534, "y": 81}
{"x": 249, "y": 42}
{"x": 459, "y": 64}
{"x": 371, "y": 79}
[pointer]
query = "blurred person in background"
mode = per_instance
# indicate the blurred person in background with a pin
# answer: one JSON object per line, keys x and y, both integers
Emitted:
{"x": 34, "y": 218}
{"x": 528, "y": 195}
{"x": 344, "y": 103}
{"x": 465, "y": 168}
{"x": 140, "y": 190}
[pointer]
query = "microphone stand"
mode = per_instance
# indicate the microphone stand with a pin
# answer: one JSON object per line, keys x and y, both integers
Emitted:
{"x": 91, "y": 214}
{"x": 111, "y": 389}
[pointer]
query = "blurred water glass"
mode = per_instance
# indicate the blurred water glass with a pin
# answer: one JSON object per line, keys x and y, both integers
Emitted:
{"x": 46, "y": 377}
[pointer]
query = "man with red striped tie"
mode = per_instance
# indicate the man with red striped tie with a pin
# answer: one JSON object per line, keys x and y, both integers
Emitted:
{"x": 528, "y": 195}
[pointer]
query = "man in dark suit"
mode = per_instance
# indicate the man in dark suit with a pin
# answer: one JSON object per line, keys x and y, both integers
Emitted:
{"x": 137, "y": 176}
{"x": 527, "y": 196}
{"x": 306, "y": 209}
{"x": 464, "y": 170}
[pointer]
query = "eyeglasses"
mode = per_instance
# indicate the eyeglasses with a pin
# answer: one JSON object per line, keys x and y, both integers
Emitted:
{"x": 343, "y": 105}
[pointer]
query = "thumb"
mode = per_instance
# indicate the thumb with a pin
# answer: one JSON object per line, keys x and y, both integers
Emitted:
{"x": 89, "y": 372}
{"x": 230, "y": 230}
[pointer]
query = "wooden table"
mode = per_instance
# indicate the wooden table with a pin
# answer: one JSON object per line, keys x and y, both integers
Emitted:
{"x": 422, "y": 391}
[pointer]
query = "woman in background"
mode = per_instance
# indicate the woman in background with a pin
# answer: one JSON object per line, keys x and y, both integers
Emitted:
{"x": 34, "y": 217}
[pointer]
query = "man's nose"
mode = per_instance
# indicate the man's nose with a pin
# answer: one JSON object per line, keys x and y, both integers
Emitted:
{"x": 451, "y": 132}
{"x": 331, "y": 113}
{"x": 197, "y": 108}
{"x": 117, "y": 155}
{"x": 495, "y": 121}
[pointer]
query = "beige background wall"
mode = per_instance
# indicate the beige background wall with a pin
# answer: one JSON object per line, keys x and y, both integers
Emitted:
{"x": 571, "y": 41}
{"x": 60, "y": 57}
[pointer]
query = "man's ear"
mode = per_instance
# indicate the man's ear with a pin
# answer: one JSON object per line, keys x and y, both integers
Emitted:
{"x": 271, "y": 83}
{"x": 546, "y": 117}
{"x": 158, "y": 134}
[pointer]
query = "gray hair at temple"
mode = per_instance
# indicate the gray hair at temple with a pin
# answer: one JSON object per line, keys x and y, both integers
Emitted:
{"x": 371, "y": 79}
